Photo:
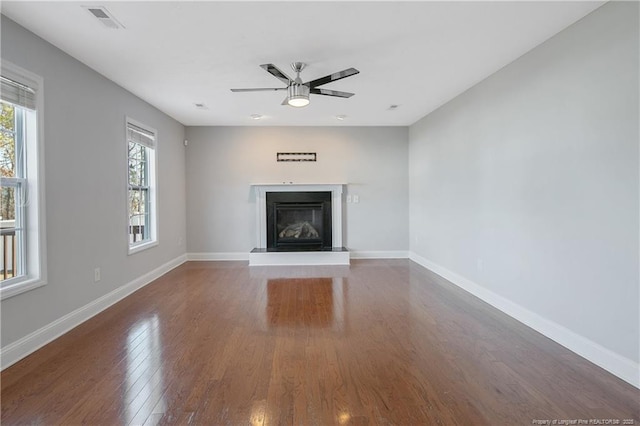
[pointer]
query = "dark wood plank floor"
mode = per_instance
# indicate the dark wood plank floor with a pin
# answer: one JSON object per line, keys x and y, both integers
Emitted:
{"x": 380, "y": 342}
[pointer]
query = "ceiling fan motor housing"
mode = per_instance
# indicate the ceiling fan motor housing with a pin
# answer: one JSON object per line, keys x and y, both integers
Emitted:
{"x": 298, "y": 95}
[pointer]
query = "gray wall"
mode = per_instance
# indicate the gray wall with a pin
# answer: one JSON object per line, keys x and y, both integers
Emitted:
{"x": 85, "y": 179}
{"x": 222, "y": 162}
{"x": 527, "y": 184}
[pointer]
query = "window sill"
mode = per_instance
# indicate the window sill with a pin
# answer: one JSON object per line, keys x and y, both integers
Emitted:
{"x": 20, "y": 287}
{"x": 141, "y": 247}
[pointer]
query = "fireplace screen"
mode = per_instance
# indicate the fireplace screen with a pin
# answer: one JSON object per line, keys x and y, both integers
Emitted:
{"x": 298, "y": 221}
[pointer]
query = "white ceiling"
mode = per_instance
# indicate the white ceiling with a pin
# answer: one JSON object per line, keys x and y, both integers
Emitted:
{"x": 417, "y": 55}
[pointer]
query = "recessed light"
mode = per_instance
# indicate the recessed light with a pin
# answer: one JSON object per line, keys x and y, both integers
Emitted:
{"x": 341, "y": 117}
{"x": 255, "y": 116}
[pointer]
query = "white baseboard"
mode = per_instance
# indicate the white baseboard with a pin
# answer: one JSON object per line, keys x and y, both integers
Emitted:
{"x": 622, "y": 367}
{"x": 397, "y": 254}
{"x": 217, "y": 256}
{"x": 19, "y": 349}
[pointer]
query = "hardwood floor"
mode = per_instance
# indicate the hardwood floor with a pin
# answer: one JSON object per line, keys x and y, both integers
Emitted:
{"x": 380, "y": 342}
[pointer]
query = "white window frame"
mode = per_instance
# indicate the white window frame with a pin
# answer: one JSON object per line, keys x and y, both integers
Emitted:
{"x": 34, "y": 256}
{"x": 152, "y": 158}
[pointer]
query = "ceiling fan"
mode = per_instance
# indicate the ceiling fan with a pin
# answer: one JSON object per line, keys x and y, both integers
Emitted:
{"x": 297, "y": 91}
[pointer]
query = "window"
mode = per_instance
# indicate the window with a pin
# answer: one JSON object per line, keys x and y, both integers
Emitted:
{"x": 141, "y": 181}
{"x": 22, "y": 236}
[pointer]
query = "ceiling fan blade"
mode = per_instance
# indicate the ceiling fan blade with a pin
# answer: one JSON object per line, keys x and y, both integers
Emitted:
{"x": 274, "y": 71}
{"x": 260, "y": 89}
{"x": 286, "y": 101}
{"x": 332, "y": 77}
{"x": 328, "y": 92}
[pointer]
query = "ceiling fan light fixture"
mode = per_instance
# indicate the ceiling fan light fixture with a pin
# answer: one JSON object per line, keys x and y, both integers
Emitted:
{"x": 298, "y": 101}
{"x": 298, "y": 95}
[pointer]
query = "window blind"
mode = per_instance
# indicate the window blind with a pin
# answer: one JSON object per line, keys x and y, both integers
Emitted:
{"x": 17, "y": 93}
{"x": 139, "y": 135}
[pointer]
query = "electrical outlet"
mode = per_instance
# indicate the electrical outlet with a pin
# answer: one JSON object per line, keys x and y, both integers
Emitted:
{"x": 96, "y": 275}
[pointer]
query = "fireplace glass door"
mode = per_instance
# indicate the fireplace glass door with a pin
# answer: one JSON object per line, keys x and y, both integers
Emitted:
{"x": 298, "y": 224}
{"x": 298, "y": 221}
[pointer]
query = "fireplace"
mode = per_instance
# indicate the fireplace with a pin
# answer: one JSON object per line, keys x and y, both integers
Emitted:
{"x": 298, "y": 224}
{"x": 298, "y": 221}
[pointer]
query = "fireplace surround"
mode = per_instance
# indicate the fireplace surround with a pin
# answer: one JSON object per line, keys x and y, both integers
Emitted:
{"x": 301, "y": 208}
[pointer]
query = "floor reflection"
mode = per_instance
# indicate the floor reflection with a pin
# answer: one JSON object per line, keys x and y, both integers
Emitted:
{"x": 305, "y": 302}
{"x": 145, "y": 377}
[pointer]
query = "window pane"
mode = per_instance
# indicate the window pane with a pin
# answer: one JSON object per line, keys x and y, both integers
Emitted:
{"x": 7, "y": 204}
{"x": 143, "y": 207}
{"x": 134, "y": 202}
{"x": 7, "y": 116}
{"x": 137, "y": 165}
{"x": 143, "y": 166}
{"x": 134, "y": 172}
{"x": 133, "y": 163}
{"x": 140, "y": 174}
{"x": 11, "y": 240}
{"x": 7, "y": 141}
{"x": 138, "y": 215}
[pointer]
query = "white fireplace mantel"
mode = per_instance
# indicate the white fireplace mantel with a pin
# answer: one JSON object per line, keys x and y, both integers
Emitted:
{"x": 336, "y": 257}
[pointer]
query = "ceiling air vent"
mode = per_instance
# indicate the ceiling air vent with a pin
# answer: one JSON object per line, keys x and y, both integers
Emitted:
{"x": 104, "y": 16}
